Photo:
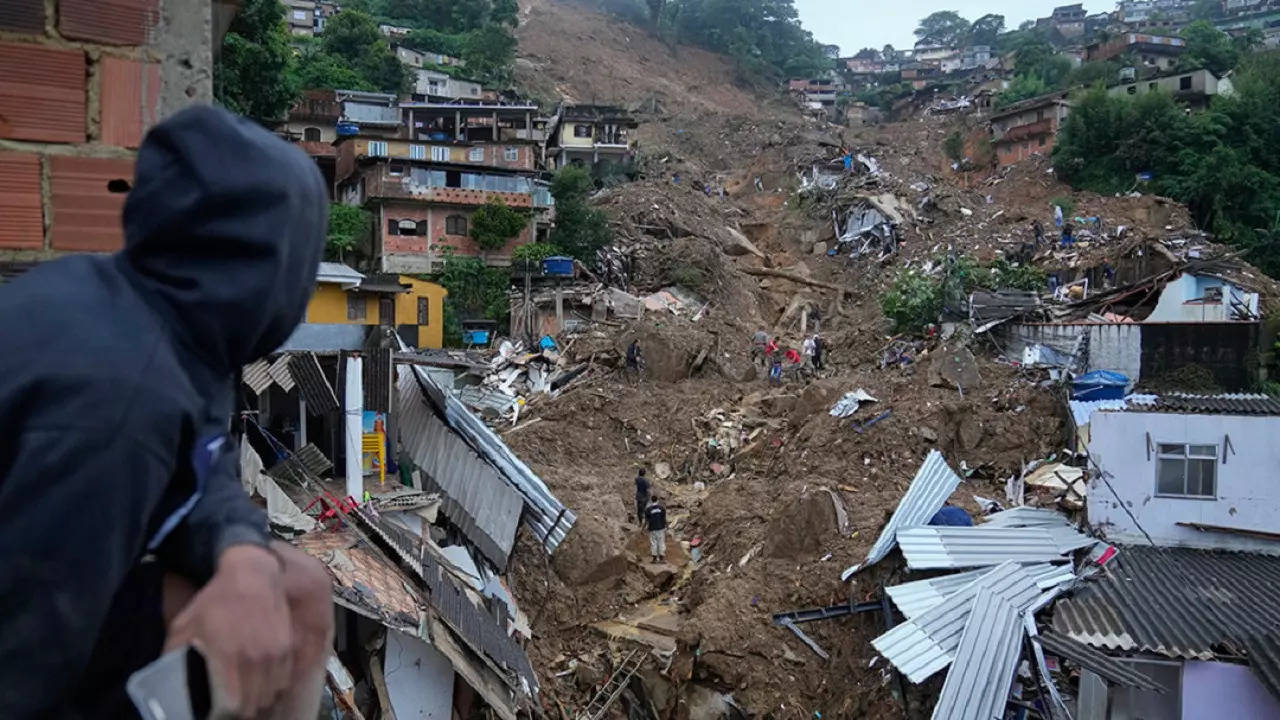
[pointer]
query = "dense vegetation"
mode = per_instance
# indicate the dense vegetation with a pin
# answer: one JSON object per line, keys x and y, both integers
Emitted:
{"x": 1224, "y": 163}
{"x": 916, "y": 300}
{"x": 580, "y": 229}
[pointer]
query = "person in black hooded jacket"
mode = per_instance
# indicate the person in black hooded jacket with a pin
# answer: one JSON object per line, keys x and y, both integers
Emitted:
{"x": 117, "y": 475}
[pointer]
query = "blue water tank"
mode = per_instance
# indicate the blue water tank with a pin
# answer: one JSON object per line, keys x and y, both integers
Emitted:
{"x": 347, "y": 129}
{"x": 558, "y": 265}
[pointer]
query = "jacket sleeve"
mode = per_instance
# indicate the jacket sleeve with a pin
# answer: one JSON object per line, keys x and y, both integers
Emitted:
{"x": 74, "y": 506}
{"x": 223, "y": 516}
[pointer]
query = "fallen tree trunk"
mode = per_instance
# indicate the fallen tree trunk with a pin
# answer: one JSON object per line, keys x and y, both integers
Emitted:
{"x": 770, "y": 272}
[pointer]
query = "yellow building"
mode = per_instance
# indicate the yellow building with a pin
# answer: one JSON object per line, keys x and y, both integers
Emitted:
{"x": 415, "y": 308}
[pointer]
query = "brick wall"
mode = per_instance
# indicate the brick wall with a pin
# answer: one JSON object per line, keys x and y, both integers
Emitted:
{"x": 80, "y": 83}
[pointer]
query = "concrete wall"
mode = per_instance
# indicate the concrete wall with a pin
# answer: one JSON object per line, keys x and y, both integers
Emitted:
{"x": 430, "y": 335}
{"x": 419, "y": 679}
{"x": 1224, "y": 690}
{"x": 433, "y": 238}
{"x": 1248, "y": 491}
{"x": 1115, "y": 347}
{"x": 1182, "y": 300}
{"x": 80, "y": 83}
{"x": 328, "y": 306}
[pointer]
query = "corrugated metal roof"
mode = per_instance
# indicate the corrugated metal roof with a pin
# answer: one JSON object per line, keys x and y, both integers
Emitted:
{"x": 257, "y": 375}
{"x": 549, "y": 520}
{"x": 331, "y": 272}
{"x": 476, "y": 498}
{"x": 279, "y": 372}
{"x": 312, "y": 383}
{"x": 961, "y": 547}
{"x": 977, "y": 686}
{"x": 918, "y": 597}
{"x": 1026, "y": 516}
{"x": 1264, "y": 658}
{"x": 1236, "y": 404}
{"x": 326, "y": 337}
{"x": 308, "y": 463}
{"x": 1108, "y": 668}
{"x": 1177, "y": 602}
{"x": 924, "y": 645}
{"x": 377, "y": 380}
{"x": 933, "y": 484}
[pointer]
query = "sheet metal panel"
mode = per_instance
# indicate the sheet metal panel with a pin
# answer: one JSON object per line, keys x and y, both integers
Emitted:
{"x": 326, "y": 337}
{"x": 257, "y": 375}
{"x": 924, "y": 645}
{"x": 933, "y": 484}
{"x": 1176, "y": 602}
{"x": 1108, "y": 668}
{"x": 377, "y": 380}
{"x": 1025, "y": 516}
{"x": 279, "y": 372}
{"x": 977, "y": 686}
{"x": 475, "y": 497}
{"x": 312, "y": 383}
{"x": 918, "y": 597}
{"x": 549, "y": 520}
{"x": 966, "y": 547}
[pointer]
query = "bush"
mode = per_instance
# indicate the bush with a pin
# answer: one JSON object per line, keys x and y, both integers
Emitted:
{"x": 494, "y": 224}
{"x": 348, "y": 228}
{"x": 953, "y": 146}
{"x": 690, "y": 276}
{"x": 535, "y": 252}
{"x": 1067, "y": 204}
{"x": 912, "y": 302}
{"x": 580, "y": 229}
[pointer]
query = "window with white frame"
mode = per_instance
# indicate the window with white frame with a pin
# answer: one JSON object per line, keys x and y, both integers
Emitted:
{"x": 476, "y": 155}
{"x": 1186, "y": 470}
{"x": 511, "y": 154}
{"x": 440, "y": 154}
{"x": 299, "y": 15}
{"x": 417, "y": 152}
{"x": 377, "y": 148}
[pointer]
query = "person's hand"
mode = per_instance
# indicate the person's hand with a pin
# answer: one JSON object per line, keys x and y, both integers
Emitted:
{"x": 240, "y": 621}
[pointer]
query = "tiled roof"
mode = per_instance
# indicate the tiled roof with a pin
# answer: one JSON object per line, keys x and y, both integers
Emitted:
{"x": 1236, "y": 404}
{"x": 1178, "y": 602}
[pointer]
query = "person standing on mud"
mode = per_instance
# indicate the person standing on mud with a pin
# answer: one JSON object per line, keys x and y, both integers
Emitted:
{"x": 819, "y": 347}
{"x": 656, "y": 515}
{"x": 1038, "y": 229}
{"x": 758, "y": 343}
{"x": 634, "y": 360}
{"x": 642, "y": 495}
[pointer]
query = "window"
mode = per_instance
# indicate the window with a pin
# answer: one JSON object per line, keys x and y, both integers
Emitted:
{"x": 417, "y": 152}
{"x": 395, "y": 169}
{"x": 424, "y": 311}
{"x": 455, "y": 225}
{"x": 583, "y": 131}
{"x": 476, "y": 155}
{"x": 475, "y": 90}
{"x": 1213, "y": 295}
{"x": 393, "y": 227}
{"x": 377, "y": 148}
{"x": 1042, "y": 141}
{"x": 1186, "y": 470}
{"x": 440, "y": 154}
{"x": 311, "y": 134}
{"x": 299, "y": 15}
{"x": 356, "y": 306}
{"x": 406, "y": 227}
{"x": 511, "y": 154}
{"x": 1184, "y": 83}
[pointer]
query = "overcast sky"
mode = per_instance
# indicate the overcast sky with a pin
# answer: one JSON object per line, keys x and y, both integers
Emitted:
{"x": 855, "y": 24}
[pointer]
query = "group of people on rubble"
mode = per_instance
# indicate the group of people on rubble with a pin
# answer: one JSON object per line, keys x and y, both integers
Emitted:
{"x": 651, "y": 516}
{"x": 767, "y": 353}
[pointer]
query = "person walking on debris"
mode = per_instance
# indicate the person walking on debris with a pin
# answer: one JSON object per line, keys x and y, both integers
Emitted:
{"x": 794, "y": 363}
{"x": 635, "y": 361}
{"x": 1038, "y": 229}
{"x": 126, "y": 528}
{"x": 758, "y": 343}
{"x": 775, "y": 371}
{"x": 1068, "y": 239}
{"x": 770, "y": 352}
{"x": 815, "y": 318}
{"x": 656, "y": 517}
{"x": 642, "y": 495}
{"x": 808, "y": 351}
{"x": 819, "y": 348}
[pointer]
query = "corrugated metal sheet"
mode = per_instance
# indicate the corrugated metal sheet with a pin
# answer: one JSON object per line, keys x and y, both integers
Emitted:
{"x": 977, "y": 686}
{"x": 549, "y": 520}
{"x": 1082, "y": 410}
{"x": 86, "y": 214}
{"x": 966, "y": 547}
{"x": 312, "y": 383}
{"x": 279, "y": 372}
{"x": 1108, "y": 668}
{"x": 257, "y": 375}
{"x": 324, "y": 337}
{"x": 21, "y": 211}
{"x": 475, "y": 497}
{"x": 120, "y": 22}
{"x": 933, "y": 484}
{"x": 1236, "y": 404}
{"x": 377, "y": 380}
{"x": 308, "y": 463}
{"x": 922, "y": 646}
{"x": 332, "y": 272}
{"x": 44, "y": 93}
{"x": 918, "y": 597}
{"x": 1026, "y": 516}
{"x": 1177, "y": 602}
{"x": 1264, "y": 658}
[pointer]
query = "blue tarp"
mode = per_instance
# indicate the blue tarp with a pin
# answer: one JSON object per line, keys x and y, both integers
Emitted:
{"x": 951, "y": 515}
{"x": 1099, "y": 385}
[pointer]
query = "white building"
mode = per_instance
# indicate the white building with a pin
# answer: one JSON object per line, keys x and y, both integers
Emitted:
{"x": 433, "y": 83}
{"x": 1204, "y": 298}
{"x": 1191, "y": 471}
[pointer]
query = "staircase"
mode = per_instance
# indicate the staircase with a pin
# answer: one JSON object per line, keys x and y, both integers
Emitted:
{"x": 612, "y": 688}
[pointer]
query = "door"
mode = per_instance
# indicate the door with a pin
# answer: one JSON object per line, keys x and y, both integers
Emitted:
{"x": 387, "y": 311}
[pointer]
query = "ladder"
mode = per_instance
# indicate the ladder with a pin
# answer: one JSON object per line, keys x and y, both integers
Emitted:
{"x": 612, "y": 688}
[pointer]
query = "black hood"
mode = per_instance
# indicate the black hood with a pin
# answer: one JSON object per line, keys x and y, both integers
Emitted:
{"x": 224, "y": 229}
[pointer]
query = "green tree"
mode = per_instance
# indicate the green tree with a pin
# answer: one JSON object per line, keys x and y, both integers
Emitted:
{"x": 1206, "y": 10}
{"x": 1094, "y": 72}
{"x": 1039, "y": 59}
{"x": 1209, "y": 48}
{"x": 535, "y": 252}
{"x": 251, "y": 77}
{"x": 429, "y": 40}
{"x": 494, "y": 224}
{"x": 489, "y": 53}
{"x": 1023, "y": 87}
{"x": 953, "y": 146}
{"x": 580, "y": 229}
{"x": 945, "y": 27}
{"x": 349, "y": 227}
{"x": 476, "y": 291}
{"x": 353, "y": 38}
{"x": 764, "y": 36}
{"x": 913, "y": 301}
{"x": 316, "y": 68}
{"x": 986, "y": 29}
